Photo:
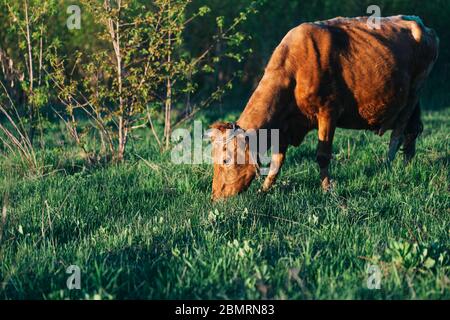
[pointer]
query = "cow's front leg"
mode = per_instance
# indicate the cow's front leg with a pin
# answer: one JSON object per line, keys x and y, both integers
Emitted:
{"x": 275, "y": 165}
{"x": 326, "y": 127}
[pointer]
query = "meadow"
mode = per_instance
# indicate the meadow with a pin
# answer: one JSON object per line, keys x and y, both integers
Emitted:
{"x": 146, "y": 229}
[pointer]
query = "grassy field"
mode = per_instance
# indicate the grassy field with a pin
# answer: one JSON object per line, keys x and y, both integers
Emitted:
{"x": 147, "y": 229}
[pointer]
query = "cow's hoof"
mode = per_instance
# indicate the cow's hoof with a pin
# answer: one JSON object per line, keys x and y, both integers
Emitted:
{"x": 328, "y": 185}
{"x": 408, "y": 157}
{"x": 387, "y": 164}
{"x": 267, "y": 185}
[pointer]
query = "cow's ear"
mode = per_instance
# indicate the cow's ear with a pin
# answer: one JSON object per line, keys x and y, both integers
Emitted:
{"x": 222, "y": 126}
{"x": 217, "y": 130}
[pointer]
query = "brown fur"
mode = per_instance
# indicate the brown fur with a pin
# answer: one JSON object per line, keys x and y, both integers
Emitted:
{"x": 338, "y": 73}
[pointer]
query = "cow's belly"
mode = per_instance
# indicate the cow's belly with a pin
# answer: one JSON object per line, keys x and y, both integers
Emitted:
{"x": 368, "y": 111}
{"x": 377, "y": 93}
{"x": 370, "y": 117}
{"x": 362, "y": 97}
{"x": 376, "y": 108}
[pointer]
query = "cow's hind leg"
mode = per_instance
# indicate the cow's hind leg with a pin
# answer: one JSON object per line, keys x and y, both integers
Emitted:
{"x": 412, "y": 131}
{"x": 405, "y": 131}
{"x": 396, "y": 141}
{"x": 326, "y": 128}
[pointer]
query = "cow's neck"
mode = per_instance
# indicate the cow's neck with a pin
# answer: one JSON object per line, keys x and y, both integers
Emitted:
{"x": 261, "y": 109}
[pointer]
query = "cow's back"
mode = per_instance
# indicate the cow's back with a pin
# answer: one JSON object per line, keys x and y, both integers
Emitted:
{"x": 366, "y": 76}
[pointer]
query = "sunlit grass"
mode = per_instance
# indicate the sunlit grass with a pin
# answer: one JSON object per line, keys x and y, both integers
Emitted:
{"x": 150, "y": 231}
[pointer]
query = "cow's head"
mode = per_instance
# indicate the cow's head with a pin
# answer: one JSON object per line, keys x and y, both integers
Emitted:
{"x": 234, "y": 168}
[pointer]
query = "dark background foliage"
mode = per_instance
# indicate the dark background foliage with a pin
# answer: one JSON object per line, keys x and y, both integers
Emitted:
{"x": 263, "y": 30}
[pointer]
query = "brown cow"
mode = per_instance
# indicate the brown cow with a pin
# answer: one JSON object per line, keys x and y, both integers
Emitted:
{"x": 328, "y": 74}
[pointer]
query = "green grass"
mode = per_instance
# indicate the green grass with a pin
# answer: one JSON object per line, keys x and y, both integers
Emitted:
{"x": 150, "y": 231}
